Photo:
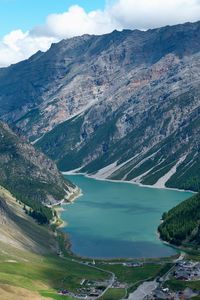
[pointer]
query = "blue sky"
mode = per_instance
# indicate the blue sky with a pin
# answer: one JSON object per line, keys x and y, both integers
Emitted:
{"x": 25, "y": 14}
{"x": 27, "y": 26}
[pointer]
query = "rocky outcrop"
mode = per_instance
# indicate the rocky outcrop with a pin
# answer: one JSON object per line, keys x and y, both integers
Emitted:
{"x": 28, "y": 174}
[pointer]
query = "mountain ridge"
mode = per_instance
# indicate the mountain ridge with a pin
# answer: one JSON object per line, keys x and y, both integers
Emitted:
{"x": 127, "y": 99}
{"x": 29, "y": 175}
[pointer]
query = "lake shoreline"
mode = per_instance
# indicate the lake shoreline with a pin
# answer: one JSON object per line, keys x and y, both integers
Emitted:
{"x": 73, "y": 172}
{"x": 88, "y": 256}
{"x": 59, "y": 207}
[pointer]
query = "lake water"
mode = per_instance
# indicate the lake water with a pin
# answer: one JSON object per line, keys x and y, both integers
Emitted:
{"x": 119, "y": 220}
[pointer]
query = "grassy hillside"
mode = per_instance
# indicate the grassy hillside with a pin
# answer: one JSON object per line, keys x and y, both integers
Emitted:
{"x": 114, "y": 294}
{"x": 20, "y": 230}
{"x": 182, "y": 223}
{"x": 30, "y": 267}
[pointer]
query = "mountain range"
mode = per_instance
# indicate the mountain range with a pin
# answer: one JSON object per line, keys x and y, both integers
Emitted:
{"x": 123, "y": 105}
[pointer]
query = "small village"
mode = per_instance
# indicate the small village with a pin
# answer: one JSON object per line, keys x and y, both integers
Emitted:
{"x": 187, "y": 270}
{"x": 95, "y": 289}
{"x": 88, "y": 290}
{"x": 182, "y": 271}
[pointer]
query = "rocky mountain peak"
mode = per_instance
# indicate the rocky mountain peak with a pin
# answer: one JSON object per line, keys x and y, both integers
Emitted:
{"x": 127, "y": 101}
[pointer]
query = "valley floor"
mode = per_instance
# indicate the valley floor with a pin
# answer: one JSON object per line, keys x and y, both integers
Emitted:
{"x": 34, "y": 264}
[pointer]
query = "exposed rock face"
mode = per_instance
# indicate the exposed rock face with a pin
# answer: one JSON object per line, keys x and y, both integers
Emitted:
{"x": 128, "y": 101}
{"x": 3, "y": 212}
{"x": 27, "y": 173}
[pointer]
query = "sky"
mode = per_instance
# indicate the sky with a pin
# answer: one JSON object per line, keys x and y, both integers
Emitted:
{"x": 25, "y": 14}
{"x": 27, "y": 26}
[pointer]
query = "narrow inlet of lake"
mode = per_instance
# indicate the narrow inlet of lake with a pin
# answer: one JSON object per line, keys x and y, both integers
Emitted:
{"x": 118, "y": 220}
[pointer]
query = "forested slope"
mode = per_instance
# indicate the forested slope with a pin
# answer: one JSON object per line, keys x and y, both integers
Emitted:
{"x": 29, "y": 175}
{"x": 181, "y": 225}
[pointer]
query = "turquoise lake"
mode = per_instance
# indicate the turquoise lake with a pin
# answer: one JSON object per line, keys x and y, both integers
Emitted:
{"x": 118, "y": 220}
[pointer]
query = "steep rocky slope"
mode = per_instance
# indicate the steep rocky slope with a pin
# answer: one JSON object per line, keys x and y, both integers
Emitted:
{"x": 28, "y": 174}
{"x": 123, "y": 105}
{"x": 20, "y": 231}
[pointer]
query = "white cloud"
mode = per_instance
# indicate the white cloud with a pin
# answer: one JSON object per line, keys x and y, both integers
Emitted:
{"x": 145, "y": 14}
{"x": 142, "y": 14}
{"x": 18, "y": 45}
{"x": 77, "y": 22}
